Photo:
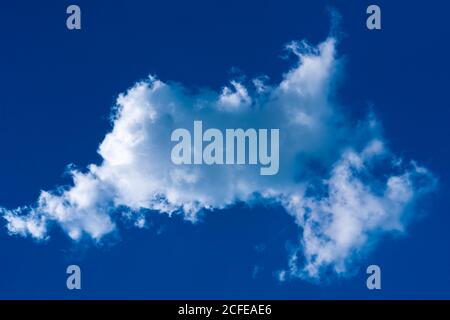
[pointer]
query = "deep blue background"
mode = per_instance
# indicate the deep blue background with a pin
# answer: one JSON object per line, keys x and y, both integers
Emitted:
{"x": 57, "y": 88}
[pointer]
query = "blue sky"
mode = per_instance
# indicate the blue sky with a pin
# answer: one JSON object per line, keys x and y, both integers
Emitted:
{"x": 58, "y": 87}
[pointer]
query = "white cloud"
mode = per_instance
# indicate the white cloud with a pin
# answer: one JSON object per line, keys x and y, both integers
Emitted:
{"x": 346, "y": 213}
{"x": 356, "y": 207}
{"x": 234, "y": 98}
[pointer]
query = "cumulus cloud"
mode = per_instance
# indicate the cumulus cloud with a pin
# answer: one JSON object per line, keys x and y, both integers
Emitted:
{"x": 355, "y": 207}
{"x": 339, "y": 181}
